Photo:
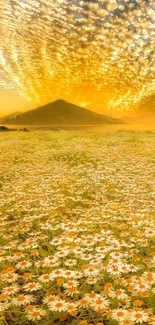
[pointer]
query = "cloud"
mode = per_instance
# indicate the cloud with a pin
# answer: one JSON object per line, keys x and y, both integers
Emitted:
{"x": 82, "y": 51}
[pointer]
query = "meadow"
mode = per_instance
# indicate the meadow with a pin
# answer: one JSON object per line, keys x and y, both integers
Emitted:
{"x": 77, "y": 230}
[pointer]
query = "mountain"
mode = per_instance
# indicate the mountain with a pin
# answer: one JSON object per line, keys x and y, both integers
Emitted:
{"x": 60, "y": 112}
{"x": 145, "y": 113}
{"x": 147, "y": 119}
{"x": 10, "y": 116}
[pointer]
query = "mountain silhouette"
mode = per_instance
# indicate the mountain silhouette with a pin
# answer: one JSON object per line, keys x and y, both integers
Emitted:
{"x": 60, "y": 112}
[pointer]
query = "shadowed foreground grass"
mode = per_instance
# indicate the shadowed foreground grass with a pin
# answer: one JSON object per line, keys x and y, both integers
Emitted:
{"x": 77, "y": 228}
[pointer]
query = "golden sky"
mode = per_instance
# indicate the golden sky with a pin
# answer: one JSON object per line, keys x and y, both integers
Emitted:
{"x": 98, "y": 54}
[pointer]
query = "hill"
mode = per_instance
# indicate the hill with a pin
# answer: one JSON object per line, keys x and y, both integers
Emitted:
{"x": 5, "y": 129}
{"x": 60, "y": 112}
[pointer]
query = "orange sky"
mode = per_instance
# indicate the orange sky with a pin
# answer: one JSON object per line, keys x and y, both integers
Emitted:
{"x": 12, "y": 102}
{"x": 96, "y": 54}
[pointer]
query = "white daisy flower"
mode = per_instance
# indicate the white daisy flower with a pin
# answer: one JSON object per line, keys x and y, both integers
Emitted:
{"x": 32, "y": 286}
{"x": 59, "y": 305}
{"x": 44, "y": 278}
{"x": 10, "y": 290}
{"x": 22, "y": 300}
{"x": 36, "y": 314}
{"x": 23, "y": 265}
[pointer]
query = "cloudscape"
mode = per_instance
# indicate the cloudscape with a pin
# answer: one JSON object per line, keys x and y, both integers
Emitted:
{"x": 96, "y": 54}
